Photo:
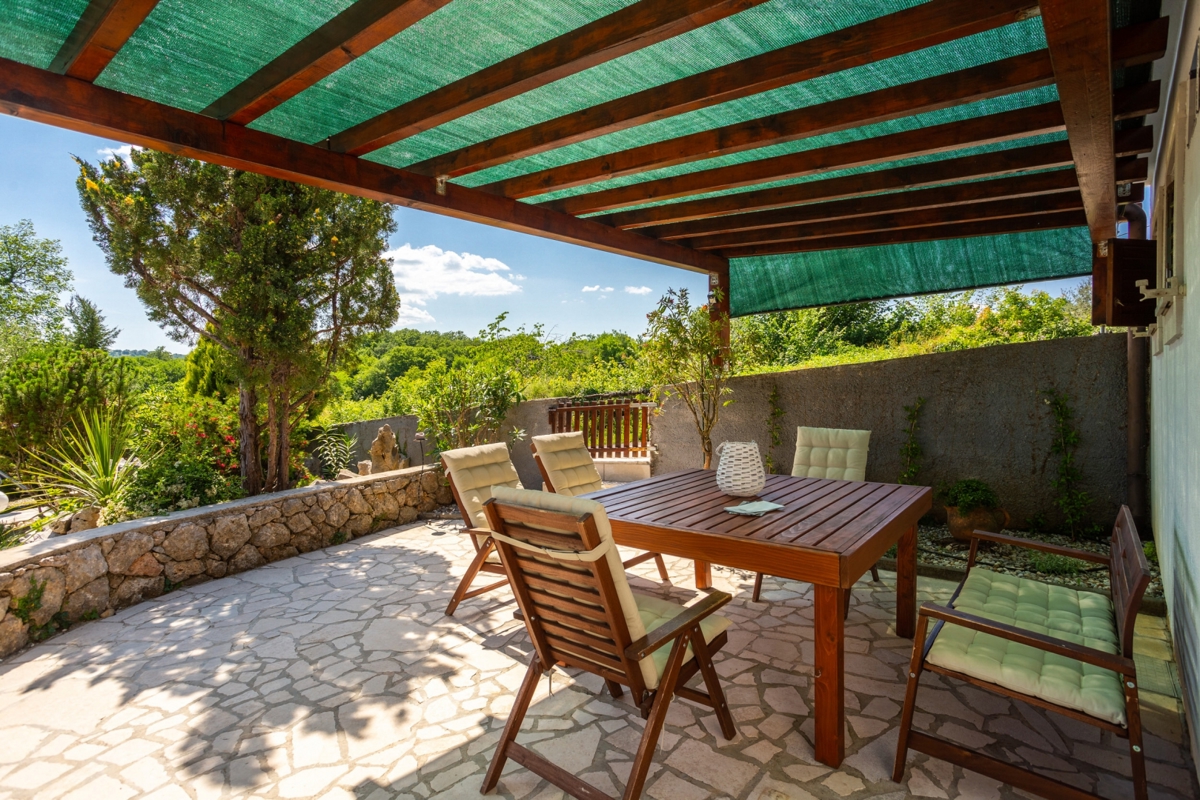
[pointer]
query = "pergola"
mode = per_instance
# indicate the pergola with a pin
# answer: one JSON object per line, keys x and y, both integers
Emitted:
{"x": 801, "y": 153}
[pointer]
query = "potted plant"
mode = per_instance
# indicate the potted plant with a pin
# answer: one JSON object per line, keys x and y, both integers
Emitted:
{"x": 973, "y": 505}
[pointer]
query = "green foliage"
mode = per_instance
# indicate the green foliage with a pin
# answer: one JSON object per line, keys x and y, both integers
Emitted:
{"x": 1151, "y": 552}
{"x": 334, "y": 451}
{"x": 339, "y": 538}
{"x": 774, "y": 429}
{"x": 88, "y": 331}
{"x": 90, "y": 466}
{"x": 685, "y": 356}
{"x": 11, "y": 536}
{"x": 1052, "y": 564}
{"x": 970, "y": 494}
{"x": 41, "y": 392}
{"x": 31, "y": 602}
{"x": 1072, "y": 501}
{"x": 33, "y": 273}
{"x": 458, "y": 407}
{"x": 910, "y": 451}
{"x": 210, "y": 371}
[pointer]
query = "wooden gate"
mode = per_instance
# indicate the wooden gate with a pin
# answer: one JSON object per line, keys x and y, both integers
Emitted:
{"x": 617, "y": 428}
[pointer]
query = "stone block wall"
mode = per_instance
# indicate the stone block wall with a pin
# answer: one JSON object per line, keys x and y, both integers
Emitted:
{"x": 79, "y": 576}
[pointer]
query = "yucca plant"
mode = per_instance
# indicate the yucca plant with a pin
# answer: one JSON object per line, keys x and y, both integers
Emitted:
{"x": 90, "y": 465}
{"x": 334, "y": 451}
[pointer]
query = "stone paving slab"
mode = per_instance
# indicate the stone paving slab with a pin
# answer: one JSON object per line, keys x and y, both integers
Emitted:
{"x": 336, "y": 674}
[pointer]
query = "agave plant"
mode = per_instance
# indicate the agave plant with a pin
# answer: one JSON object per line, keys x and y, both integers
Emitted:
{"x": 90, "y": 464}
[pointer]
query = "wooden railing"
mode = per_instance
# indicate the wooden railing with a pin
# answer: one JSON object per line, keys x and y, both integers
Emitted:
{"x": 616, "y": 428}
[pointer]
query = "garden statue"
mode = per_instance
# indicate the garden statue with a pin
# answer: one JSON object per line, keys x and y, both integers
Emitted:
{"x": 385, "y": 455}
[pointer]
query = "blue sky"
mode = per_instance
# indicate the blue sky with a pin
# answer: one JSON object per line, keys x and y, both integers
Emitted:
{"x": 451, "y": 274}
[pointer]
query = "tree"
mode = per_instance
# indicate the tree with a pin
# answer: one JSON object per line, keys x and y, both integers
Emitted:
{"x": 33, "y": 273}
{"x": 87, "y": 323}
{"x": 278, "y": 275}
{"x": 685, "y": 353}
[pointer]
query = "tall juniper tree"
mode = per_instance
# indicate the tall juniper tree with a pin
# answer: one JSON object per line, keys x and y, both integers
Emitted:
{"x": 278, "y": 275}
{"x": 88, "y": 331}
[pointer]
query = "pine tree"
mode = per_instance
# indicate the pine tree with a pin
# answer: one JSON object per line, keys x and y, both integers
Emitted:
{"x": 87, "y": 323}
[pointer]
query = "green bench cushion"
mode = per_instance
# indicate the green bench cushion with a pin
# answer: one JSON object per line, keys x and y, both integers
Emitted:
{"x": 1080, "y": 617}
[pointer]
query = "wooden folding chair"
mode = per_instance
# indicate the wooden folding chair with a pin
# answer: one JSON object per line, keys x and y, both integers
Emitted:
{"x": 567, "y": 468}
{"x": 577, "y": 606}
{"x": 473, "y": 471}
{"x": 1050, "y": 646}
{"x": 836, "y": 453}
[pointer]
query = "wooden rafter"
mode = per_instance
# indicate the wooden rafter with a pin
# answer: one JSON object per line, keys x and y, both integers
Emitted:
{"x": 1001, "y": 162}
{"x": 43, "y": 96}
{"x": 1140, "y": 43}
{"x": 100, "y": 33}
{"x": 1130, "y": 102}
{"x": 634, "y": 27}
{"x": 988, "y": 129}
{"x": 1016, "y": 74}
{"x": 900, "y": 220}
{"x": 1078, "y": 36}
{"x": 361, "y": 27}
{"x": 922, "y": 26}
{"x": 965, "y": 230}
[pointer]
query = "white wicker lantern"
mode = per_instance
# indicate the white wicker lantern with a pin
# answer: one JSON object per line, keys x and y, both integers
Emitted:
{"x": 740, "y": 469}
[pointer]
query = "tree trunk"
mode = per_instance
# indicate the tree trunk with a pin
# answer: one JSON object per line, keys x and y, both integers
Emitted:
{"x": 706, "y": 446}
{"x": 283, "y": 451}
{"x": 248, "y": 441}
{"x": 278, "y": 440}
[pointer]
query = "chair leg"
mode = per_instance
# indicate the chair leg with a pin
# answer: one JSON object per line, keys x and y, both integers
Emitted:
{"x": 875, "y": 573}
{"x": 472, "y": 570}
{"x": 910, "y": 698}
{"x": 757, "y": 587}
{"x": 614, "y": 688}
{"x": 712, "y": 682}
{"x": 1133, "y": 719}
{"x": 658, "y": 715}
{"x": 662, "y": 568}
{"x": 513, "y": 726}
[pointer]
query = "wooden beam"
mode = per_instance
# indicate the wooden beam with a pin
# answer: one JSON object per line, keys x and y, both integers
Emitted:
{"x": 923, "y": 218}
{"x": 1078, "y": 36}
{"x": 989, "y": 129}
{"x": 36, "y": 94}
{"x": 1062, "y": 180}
{"x": 1001, "y": 162}
{"x": 1016, "y": 74}
{"x": 1140, "y": 43}
{"x": 1132, "y": 170}
{"x": 924, "y": 25}
{"x": 1130, "y": 102}
{"x": 642, "y": 24}
{"x": 361, "y": 27}
{"x": 100, "y": 33}
{"x": 1033, "y": 222}
{"x": 1133, "y": 141}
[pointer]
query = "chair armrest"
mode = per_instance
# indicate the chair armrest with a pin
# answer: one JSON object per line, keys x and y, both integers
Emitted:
{"x": 1033, "y": 544}
{"x": 676, "y": 626}
{"x": 477, "y": 531}
{"x": 1050, "y": 644}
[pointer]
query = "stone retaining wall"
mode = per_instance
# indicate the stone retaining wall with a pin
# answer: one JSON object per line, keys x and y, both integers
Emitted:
{"x": 85, "y": 575}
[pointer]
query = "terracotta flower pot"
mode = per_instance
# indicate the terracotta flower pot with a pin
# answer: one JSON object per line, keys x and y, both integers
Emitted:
{"x": 978, "y": 519}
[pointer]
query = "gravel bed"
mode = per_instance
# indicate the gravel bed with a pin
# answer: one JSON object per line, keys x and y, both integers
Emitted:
{"x": 937, "y": 547}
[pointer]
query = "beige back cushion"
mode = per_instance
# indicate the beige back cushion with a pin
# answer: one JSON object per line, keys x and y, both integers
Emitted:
{"x": 475, "y": 471}
{"x": 566, "y": 459}
{"x": 578, "y": 506}
{"x": 831, "y": 453}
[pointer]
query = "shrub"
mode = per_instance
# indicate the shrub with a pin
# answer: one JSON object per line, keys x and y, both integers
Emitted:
{"x": 970, "y": 494}
{"x": 1051, "y": 564}
{"x": 92, "y": 464}
{"x": 334, "y": 451}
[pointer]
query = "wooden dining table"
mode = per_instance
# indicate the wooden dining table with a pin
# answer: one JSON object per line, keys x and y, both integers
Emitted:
{"x": 828, "y": 533}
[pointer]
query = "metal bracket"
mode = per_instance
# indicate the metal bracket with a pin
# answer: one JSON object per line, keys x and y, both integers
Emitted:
{"x": 1146, "y": 332}
{"x": 441, "y": 184}
{"x": 1174, "y": 289}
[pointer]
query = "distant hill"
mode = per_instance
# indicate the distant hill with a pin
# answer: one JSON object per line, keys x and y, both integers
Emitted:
{"x": 160, "y": 353}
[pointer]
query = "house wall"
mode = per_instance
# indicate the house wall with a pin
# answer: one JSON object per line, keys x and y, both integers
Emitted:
{"x": 1175, "y": 371}
{"x": 984, "y": 417}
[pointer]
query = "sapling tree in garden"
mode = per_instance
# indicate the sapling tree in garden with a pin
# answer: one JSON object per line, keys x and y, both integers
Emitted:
{"x": 281, "y": 277}
{"x": 686, "y": 356}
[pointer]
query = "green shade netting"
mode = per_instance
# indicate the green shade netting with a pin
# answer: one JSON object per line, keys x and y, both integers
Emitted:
{"x": 804, "y": 280}
{"x": 32, "y": 32}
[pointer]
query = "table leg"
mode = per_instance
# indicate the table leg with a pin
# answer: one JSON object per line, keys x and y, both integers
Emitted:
{"x": 703, "y": 575}
{"x": 830, "y": 712}
{"x": 906, "y": 584}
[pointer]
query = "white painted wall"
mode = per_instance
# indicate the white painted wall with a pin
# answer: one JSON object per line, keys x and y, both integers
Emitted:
{"x": 1175, "y": 372}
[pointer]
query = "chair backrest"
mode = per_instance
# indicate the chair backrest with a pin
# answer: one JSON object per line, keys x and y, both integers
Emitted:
{"x": 580, "y": 612}
{"x": 565, "y": 463}
{"x": 831, "y": 453}
{"x": 1129, "y": 575}
{"x": 473, "y": 472}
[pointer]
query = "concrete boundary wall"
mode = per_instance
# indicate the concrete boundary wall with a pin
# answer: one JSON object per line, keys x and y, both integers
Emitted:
{"x": 984, "y": 417}
{"x": 89, "y": 574}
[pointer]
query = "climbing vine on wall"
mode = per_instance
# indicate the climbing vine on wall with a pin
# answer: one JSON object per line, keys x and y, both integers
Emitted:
{"x": 1071, "y": 500}
{"x": 910, "y": 451}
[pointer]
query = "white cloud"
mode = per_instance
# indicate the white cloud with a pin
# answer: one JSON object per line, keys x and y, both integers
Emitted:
{"x": 637, "y": 290}
{"x": 597, "y": 288}
{"x": 124, "y": 152}
{"x": 425, "y": 273}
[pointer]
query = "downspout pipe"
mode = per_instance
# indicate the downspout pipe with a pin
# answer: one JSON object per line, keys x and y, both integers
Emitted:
{"x": 1137, "y": 364}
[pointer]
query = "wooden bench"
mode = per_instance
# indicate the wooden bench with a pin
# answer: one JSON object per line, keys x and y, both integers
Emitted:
{"x": 1081, "y": 666}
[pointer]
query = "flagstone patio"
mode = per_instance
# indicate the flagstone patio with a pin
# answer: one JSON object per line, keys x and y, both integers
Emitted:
{"x": 336, "y": 675}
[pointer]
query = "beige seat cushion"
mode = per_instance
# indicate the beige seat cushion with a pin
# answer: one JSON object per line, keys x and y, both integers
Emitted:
{"x": 1080, "y": 617}
{"x": 641, "y": 612}
{"x": 474, "y": 472}
{"x": 568, "y": 463}
{"x": 831, "y": 453}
